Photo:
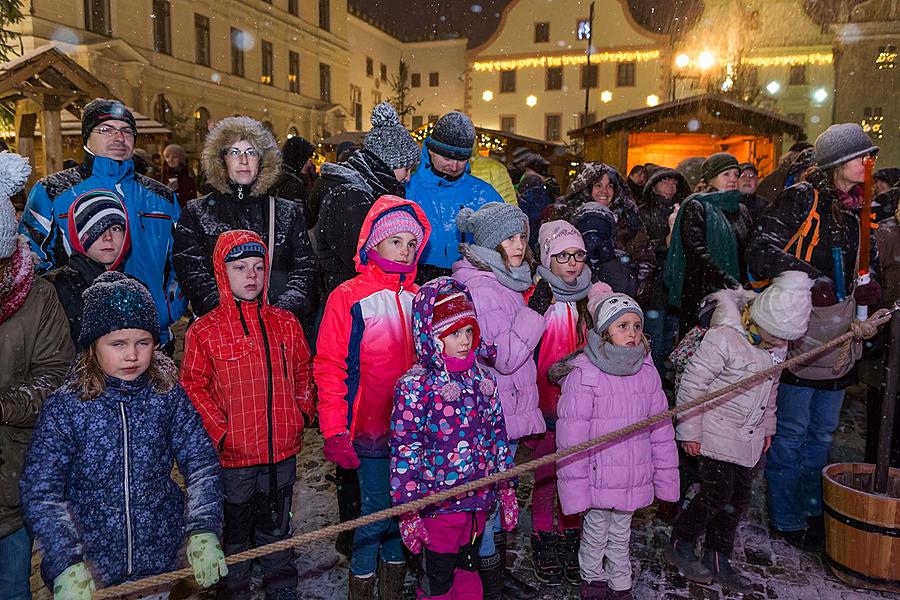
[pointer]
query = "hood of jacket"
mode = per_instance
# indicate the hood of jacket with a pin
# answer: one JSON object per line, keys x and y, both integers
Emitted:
{"x": 429, "y": 356}
{"x": 580, "y": 189}
{"x": 73, "y": 236}
{"x": 227, "y": 132}
{"x": 365, "y": 172}
{"x": 428, "y": 176}
{"x": 224, "y": 244}
{"x": 729, "y": 308}
{"x": 682, "y": 191}
{"x": 381, "y": 206}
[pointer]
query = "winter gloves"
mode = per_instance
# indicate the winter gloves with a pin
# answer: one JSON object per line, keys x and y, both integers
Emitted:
{"x": 509, "y": 509}
{"x": 413, "y": 532}
{"x": 823, "y": 292}
{"x": 204, "y": 553}
{"x": 75, "y": 583}
{"x": 339, "y": 450}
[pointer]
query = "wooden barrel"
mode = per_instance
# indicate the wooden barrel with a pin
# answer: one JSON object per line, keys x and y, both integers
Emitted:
{"x": 862, "y": 529}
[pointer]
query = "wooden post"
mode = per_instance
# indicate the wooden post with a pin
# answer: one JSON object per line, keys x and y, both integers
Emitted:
{"x": 25, "y": 122}
{"x": 888, "y": 407}
{"x": 51, "y": 132}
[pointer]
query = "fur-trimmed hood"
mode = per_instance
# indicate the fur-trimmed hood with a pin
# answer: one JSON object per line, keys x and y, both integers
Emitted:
{"x": 227, "y": 132}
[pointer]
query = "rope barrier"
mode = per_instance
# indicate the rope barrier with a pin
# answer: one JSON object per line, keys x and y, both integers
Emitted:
{"x": 864, "y": 329}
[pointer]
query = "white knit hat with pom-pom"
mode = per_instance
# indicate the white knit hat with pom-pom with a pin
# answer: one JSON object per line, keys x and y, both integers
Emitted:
{"x": 14, "y": 172}
{"x": 389, "y": 140}
{"x": 783, "y": 308}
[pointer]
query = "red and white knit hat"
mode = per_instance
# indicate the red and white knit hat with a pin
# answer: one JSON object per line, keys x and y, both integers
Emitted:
{"x": 391, "y": 223}
{"x": 451, "y": 313}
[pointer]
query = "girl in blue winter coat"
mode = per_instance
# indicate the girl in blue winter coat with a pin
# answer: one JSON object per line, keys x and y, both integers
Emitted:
{"x": 447, "y": 429}
{"x": 96, "y": 488}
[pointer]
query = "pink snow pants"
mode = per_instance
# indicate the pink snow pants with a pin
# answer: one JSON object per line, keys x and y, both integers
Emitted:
{"x": 447, "y": 534}
{"x": 544, "y": 497}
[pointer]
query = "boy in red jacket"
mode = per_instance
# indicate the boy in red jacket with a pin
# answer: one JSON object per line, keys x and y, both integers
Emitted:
{"x": 248, "y": 371}
{"x": 365, "y": 345}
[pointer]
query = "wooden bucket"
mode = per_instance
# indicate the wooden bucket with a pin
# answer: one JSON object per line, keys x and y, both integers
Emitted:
{"x": 862, "y": 529}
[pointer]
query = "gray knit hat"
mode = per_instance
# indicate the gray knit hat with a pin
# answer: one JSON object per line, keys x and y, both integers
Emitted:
{"x": 389, "y": 140}
{"x": 14, "y": 172}
{"x": 718, "y": 163}
{"x": 453, "y": 136}
{"x": 842, "y": 142}
{"x": 492, "y": 223}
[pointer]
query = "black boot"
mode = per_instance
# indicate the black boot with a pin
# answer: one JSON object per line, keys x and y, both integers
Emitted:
{"x": 362, "y": 588}
{"x": 569, "y": 543}
{"x": 390, "y": 580}
{"x": 513, "y": 587}
{"x": 592, "y": 590}
{"x": 544, "y": 558}
{"x": 491, "y": 570}
{"x": 680, "y": 554}
{"x": 724, "y": 573}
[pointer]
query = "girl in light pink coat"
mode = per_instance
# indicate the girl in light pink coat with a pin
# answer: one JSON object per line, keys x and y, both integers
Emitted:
{"x": 610, "y": 384}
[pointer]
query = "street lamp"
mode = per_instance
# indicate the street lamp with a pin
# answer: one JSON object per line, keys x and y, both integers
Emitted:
{"x": 820, "y": 95}
{"x": 531, "y": 100}
{"x": 682, "y": 60}
{"x": 773, "y": 87}
{"x": 706, "y": 60}
{"x": 606, "y": 96}
{"x": 487, "y": 96}
{"x": 652, "y": 100}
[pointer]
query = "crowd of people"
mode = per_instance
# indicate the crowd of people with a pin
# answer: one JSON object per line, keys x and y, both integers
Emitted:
{"x": 431, "y": 311}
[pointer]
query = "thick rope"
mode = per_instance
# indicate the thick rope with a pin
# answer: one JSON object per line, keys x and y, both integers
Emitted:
{"x": 865, "y": 329}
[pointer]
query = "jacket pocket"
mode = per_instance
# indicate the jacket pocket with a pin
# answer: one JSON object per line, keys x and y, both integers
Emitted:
{"x": 231, "y": 350}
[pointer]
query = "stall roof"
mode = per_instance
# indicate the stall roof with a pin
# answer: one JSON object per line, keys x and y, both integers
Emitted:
{"x": 756, "y": 118}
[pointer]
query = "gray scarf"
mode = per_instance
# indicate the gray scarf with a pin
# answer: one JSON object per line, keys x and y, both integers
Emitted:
{"x": 613, "y": 359}
{"x": 518, "y": 279}
{"x": 564, "y": 292}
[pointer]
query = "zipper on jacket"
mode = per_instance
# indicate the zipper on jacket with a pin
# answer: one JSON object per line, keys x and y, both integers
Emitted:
{"x": 128, "y": 532}
{"x": 269, "y": 386}
{"x": 284, "y": 359}
{"x": 406, "y": 340}
{"x": 241, "y": 315}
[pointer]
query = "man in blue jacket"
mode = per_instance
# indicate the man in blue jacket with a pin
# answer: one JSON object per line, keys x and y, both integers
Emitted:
{"x": 442, "y": 185}
{"x": 108, "y": 130}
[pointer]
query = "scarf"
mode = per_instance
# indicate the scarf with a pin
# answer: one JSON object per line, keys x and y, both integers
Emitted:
{"x": 752, "y": 330}
{"x": 15, "y": 281}
{"x": 720, "y": 241}
{"x": 610, "y": 358}
{"x": 852, "y": 200}
{"x": 518, "y": 279}
{"x": 564, "y": 292}
{"x": 458, "y": 365}
{"x": 388, "y": 266}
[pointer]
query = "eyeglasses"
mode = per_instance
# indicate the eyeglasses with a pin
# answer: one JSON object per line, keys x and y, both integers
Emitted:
{"x": 237, "y": 153}
{"x": 110, "y": 131}
{"x": 564, "y": 257}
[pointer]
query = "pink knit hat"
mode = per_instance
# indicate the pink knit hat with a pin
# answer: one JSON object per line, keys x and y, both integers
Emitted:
{"x": 391, "y": 223}
{"x": 556, "y": 236}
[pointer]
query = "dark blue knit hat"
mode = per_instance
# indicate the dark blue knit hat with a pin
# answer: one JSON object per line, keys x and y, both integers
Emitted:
{"x": 116, "y": 301}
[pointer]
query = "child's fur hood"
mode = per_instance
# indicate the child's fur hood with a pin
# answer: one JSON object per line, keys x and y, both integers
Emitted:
{"x": 230, "y": 130}
{"x": 558, "y": 371}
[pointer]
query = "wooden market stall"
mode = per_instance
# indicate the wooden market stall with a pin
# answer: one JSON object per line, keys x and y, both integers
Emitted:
{"x": 696, "y": 126}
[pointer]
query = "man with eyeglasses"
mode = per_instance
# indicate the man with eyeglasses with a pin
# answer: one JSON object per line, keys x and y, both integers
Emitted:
{"x": 108, "y": 132}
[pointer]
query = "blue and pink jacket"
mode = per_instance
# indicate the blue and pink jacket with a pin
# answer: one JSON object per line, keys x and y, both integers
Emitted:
{"x": 447, "y": 427}
{"x": 365, "y": 343}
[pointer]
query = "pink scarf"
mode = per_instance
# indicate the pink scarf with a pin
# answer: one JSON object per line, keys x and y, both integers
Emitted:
{"x": 15, "y": 281}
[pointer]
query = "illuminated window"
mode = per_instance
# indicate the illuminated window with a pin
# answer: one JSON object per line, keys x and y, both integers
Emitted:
{"x": 583, "y": 29}
{"x": 887, "y": 57}
{"x": 294, "y": 72}
{"x": 268, "y": 64}
{"x": 873, "y": 119}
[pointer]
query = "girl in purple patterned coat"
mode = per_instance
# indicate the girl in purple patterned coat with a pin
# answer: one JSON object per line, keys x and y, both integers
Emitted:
{"x": 447, "y": 428}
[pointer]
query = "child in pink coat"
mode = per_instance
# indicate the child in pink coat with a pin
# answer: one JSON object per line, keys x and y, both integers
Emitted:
{"x": 612, "y": 383}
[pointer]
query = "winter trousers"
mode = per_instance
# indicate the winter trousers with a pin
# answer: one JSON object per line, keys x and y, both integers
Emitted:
{"x": 382, "y": 537}
{"x": 718, "y": 507}
{"x": 807, "y": 418}
{"x": 450, "y": 559}
{"x": 493, "y": 524}
{"x": 254, "y": 516}
{"x": 544, "y": 496}
{"x": 604, "y": 555}
{"x": 15, "y": 565}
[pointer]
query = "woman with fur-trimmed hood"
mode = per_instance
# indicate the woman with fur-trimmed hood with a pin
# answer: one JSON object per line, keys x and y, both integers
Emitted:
{"x": 241, "y": 162}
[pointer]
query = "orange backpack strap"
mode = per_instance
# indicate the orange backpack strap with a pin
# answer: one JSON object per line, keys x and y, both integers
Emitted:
{"x": 807, "y": 233}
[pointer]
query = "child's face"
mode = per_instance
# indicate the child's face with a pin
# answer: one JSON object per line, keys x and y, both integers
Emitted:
{"x": 514, "y": 247}
{"x": 626, "y": 330}
{"x": 571, "y": 266}
{"x": 125, "y": 353}
{"x": 771, "y": 340}
{"x": 459, "y": 343}
{"x": 400, "y": 248}
{"x": 106, "y": 248}
{"x": 245, "y": 276}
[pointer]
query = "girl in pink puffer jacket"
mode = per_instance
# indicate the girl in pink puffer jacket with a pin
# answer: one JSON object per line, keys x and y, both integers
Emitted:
{"x": 610, "y": 384}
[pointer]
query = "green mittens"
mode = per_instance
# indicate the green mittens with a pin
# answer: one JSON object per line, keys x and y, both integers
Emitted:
{"x": 205, "y": 555}
{"x": 75, "y": 583}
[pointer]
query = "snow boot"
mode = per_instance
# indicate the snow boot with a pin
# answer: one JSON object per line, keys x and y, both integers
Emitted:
{"x": 612, "y": 594}
{"x": 567, "y": 550}
{"x": 390, "y": 580}
{"x": 593, "y": 590}
{"x": 680, "y": 554}
{"x": 802, "y": 539}
{"x": 491, "y": 570}
{"x": 544, "y": 557}
{"x": 724, "y": 573}
{"x": 513, "y": 587}
{"x": 362, "y": 588}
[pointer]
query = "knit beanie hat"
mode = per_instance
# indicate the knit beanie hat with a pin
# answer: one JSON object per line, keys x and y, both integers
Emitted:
{"x": 452, "y": 136}
{"x": 14, "y": 172}
{"x": 101, "y": 110}
{"x": 452, "y": 312}
{"x": 783, "y": 308}
{"x": 94, "y": 213}
{"x": 492, "y": 223}
{"x": 842, "y": 142}
{"x": 597, "y": 224}
{"x": 717, "y": 163}
{"x": 556, "y": 236}
{"x": 606, "y": 306}
{"x": 246, "y": 250}
{"x": 389, "y": 140}
{"x": 116, "y": 301}
{"x": 392, "y": 222}
{"x": 749, "y": 166}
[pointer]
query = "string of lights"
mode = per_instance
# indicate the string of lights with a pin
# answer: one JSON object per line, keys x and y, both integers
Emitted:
{"x": 565, "y": 60}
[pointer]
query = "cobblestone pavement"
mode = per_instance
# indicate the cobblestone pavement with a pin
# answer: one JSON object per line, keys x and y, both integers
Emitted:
{"x": 777, "y": 570}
